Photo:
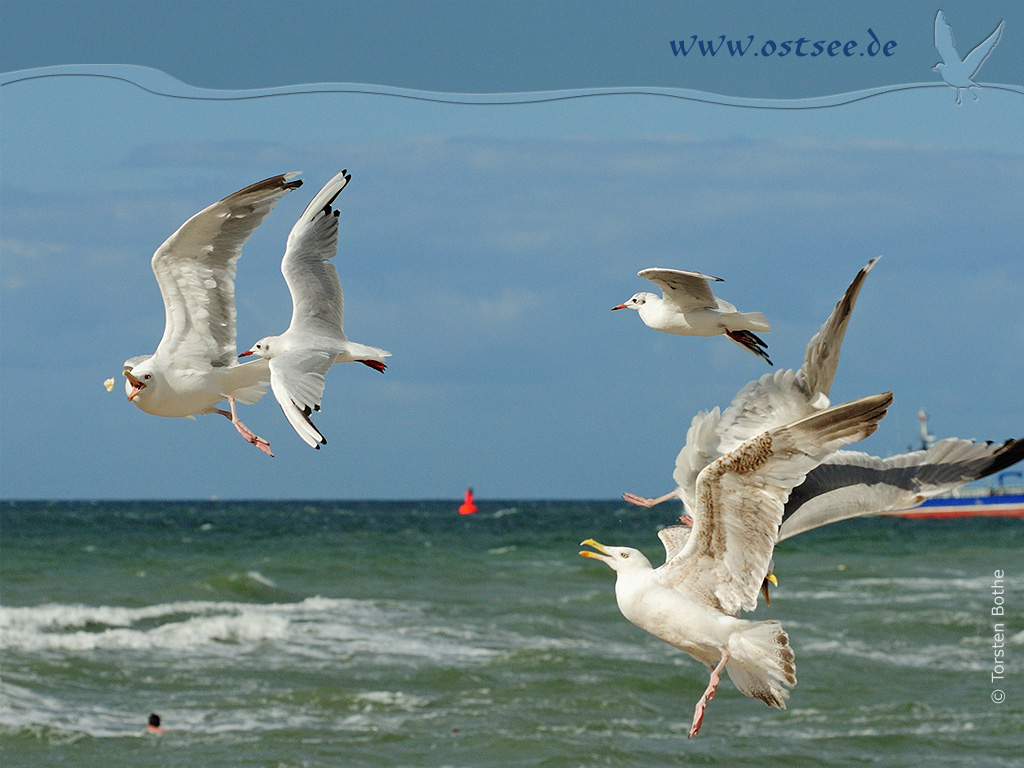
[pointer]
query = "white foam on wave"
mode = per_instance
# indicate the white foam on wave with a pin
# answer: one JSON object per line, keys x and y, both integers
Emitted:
{"x": 875, "y": 590}
{"x": 174, "y": 626}
{"x": 397, "y": 700}
{"x": 22, "y": 709}
{"x": 945, "y": 657}
{"x": 316, "y": 628}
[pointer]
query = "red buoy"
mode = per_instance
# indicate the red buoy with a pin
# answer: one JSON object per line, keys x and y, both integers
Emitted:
{"x": 468, "y": 507}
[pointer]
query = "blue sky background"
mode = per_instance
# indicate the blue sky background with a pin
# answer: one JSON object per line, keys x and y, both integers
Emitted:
{"x": 484, "y": 245}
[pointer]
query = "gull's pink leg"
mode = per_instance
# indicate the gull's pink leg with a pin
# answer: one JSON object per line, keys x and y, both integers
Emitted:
{"x": 243, "y": 430}
{"x": 376, "y": 365}
{"x": 709, "y": 694}
{"x": 643, "y": 501}
{"x": 640, "y": 501}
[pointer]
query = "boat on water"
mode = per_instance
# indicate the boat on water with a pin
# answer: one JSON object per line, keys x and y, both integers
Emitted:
{"x": 994, "y": 501}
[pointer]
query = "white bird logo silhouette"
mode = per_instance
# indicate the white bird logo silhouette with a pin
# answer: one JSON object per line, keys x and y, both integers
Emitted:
{"x": 959, "y": 73}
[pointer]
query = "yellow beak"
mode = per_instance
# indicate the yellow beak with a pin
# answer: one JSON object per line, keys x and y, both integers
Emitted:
{"x": 764, "y": 587}
{"x": 596, "y": 545}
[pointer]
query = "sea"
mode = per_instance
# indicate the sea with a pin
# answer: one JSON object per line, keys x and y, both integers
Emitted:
{"x": 293, "y": 634}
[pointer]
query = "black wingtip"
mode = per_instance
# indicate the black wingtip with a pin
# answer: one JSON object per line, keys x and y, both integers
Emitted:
{"x": 1008, "y": 454}
{"x": 327, "y": 208}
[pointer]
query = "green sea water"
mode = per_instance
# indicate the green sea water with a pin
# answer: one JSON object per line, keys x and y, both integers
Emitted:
{"x": 403, "y": 634}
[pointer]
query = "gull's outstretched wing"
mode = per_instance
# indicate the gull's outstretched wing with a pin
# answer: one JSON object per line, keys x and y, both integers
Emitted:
{"x": 741, "y": 497}
{"x": 195, "y": 269}
{"x": 822, "y": 355}
{"x": 317, "y": 300}
{"x": 687, "y": 290}
{"x": 297, "y": 379}
{"x": 771, "y": 401}
{"x": 850, "y": 483}
{"x": 674, "y": 537}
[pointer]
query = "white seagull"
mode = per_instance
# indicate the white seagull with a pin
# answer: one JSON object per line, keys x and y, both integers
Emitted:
{"x": 314, "y": 341}
{"x": 692, "y": 601}
{"x": 689, "y": 308}
{"x": 771, "y": 401}
{"x": 195, "y": 366}
{"x": 846, "y": 484}
{"x": 959, "y": 73}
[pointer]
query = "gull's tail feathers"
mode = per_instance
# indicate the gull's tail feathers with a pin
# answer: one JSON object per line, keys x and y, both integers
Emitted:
{"x": 248, "y": 382}
{"x": 751, "y": 343}
{"x": 761, "y": 663}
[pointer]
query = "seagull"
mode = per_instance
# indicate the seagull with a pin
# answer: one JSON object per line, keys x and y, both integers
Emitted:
{"x": 773, "y": 400}
{"x": 850, "y": 484}
{"x": 846, "y": 484}
{"x": 959, "y": 73}
{"x": 195, "y": 366}
{"x": 692, "y": 601}
{"x": 689, "y": 308}
{"x": 314, "y": 341}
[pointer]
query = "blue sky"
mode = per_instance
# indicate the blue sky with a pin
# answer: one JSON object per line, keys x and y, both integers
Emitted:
{"x": 484, "y": 245}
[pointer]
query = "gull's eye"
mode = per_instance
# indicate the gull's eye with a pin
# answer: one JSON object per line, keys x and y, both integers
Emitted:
{"x": 624, "y": 555}
{"x": 148, "y": 376}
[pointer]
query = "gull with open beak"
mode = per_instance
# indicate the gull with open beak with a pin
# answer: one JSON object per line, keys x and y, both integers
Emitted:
{"x": 195, "y": 366}
{"x": 692, "y": 601}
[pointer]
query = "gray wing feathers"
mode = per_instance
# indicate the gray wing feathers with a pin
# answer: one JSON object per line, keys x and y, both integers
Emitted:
{"x": 690, "y": 290}
{"x": 771, "y": 401}
{"x": 822, "y": 355}
{"x": 297, "y": 379}
{"x": 195, "y": 269}
{"x": 317, "y": 299}
{"x": 741, "y": 497}
{"x": 850, "y": 483}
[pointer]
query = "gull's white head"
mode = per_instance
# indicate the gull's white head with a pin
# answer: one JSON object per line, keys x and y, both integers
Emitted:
{"x": 620, "y": 559}
{"x": 141, "y": 379}
{"x": 262, "y": 348}
{"x": 637, "y": 301}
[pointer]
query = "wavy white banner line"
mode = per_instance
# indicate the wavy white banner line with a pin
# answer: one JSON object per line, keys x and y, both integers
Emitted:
{"x": 160, "y": 83}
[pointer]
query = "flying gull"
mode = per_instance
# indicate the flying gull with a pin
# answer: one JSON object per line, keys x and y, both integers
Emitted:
{"x": 693, "y": 600}
{"x": 689, "y": 308}
{"x": 195, "y": 365}
{"x": 848, "y": 483}
{"x": 314, "y": 341}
